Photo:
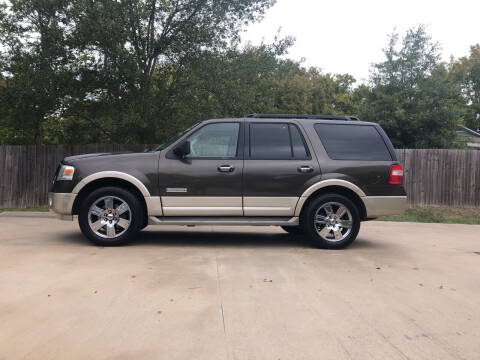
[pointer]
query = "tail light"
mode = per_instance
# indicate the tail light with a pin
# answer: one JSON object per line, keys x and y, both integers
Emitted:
{"x": 396, "y": 175}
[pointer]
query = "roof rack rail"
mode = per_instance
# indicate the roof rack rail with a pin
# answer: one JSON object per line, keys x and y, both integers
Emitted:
{"x": 301, "y": 116}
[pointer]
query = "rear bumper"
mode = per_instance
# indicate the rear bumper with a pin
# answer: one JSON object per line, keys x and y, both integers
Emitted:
{"x": 384, "y": 205}
{"x": 62, "y": 204}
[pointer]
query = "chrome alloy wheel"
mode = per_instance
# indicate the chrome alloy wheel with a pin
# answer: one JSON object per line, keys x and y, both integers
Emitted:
{"x": 109, "y": 217}
{"x": 333, "y": 221}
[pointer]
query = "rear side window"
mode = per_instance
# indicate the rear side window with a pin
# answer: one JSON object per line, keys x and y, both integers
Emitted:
{"x": 353, "y": 142}
{"x": 276, "y": 141}
{"x": 299, "y": 150}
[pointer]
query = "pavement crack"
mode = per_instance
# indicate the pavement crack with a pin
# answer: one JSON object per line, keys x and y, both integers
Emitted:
{"x": 220, "y": 296}
{"x": 223, "y": 321}
{"x": 219, "y": 293}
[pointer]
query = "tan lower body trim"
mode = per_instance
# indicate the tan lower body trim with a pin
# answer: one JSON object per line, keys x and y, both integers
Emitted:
{"x": 61, "y": 203}
{"x": 269, "y": 206}
{"x": 154, "y": 205}
{"x": 322, "y": 184}
{"x": 384, "y": 205}
{"x": 112, "y": 174}
{"x": 202, "y": 205}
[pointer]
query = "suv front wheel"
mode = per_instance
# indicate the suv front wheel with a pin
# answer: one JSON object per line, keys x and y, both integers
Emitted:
{"x": 331, "y": 221}
{"x": 110, "y": 216}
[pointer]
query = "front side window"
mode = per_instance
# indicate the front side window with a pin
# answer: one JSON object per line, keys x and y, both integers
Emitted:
{"x": 276, "y": 141}
{"x": 217, "y": 140}
{"x": 353, "y": 142}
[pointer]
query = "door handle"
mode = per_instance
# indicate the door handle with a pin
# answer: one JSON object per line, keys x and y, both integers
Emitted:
{"x": 305, "y": 169}
{"x": 226, "y": 168}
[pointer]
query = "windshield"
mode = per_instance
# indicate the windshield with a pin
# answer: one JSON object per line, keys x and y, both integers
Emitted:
{"x": 174, "y": 138}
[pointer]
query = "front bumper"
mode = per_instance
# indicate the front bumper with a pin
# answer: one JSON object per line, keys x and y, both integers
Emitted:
{"x": 377, "y": 206}
{"x": 62, "y": 204}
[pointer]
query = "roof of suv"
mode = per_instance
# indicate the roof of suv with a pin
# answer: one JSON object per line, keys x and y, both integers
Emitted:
{"x": 333, "y": 119}
{"x": 302, "y": 116}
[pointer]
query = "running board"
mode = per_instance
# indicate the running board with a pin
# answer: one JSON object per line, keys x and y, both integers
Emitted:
{"x": 231, "y": 220}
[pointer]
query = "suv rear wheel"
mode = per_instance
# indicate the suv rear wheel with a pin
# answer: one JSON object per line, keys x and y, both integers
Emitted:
{"x": 110, "y": 216}
{"x": 331, "y": 221}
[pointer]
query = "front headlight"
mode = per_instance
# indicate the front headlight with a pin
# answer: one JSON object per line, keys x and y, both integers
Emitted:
{"x": 65, "y": 172}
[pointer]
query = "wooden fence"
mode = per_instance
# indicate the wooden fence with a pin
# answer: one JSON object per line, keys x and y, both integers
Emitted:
{"x": 432, "y": 177}
{"x": 441, "y": 177}
{"x": 26, "y": 171}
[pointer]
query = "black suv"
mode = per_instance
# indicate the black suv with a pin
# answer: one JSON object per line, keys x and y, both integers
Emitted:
{"x": 317, "y": 175}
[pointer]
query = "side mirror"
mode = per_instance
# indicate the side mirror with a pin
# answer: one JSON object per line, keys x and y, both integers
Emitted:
{"x": 182, "y": 150}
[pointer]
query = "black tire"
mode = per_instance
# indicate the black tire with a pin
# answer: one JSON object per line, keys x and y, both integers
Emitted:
{"x": 145, "y": 223}
{"x": 329, "y": 241}
{"x": 134, "y": 215}
{"x": 293, "y": 230}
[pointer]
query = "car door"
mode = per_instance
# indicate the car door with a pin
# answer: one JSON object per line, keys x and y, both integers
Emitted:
{"x": 278, "y": 165}
{"x": 208, "y": 181}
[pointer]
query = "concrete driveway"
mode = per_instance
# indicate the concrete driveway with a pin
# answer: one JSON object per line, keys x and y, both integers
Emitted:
{"x": 402, "y": 291}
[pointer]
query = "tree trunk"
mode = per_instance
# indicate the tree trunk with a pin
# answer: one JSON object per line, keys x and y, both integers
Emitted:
{"x": 37, "y": 137}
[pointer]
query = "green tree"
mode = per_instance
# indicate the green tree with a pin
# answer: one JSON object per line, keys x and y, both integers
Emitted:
{"x": 411, "y": 94}
{"x": 124, "y": 43}
{"x": 35, "y": 64}
{"x": 227, "y": 83}
{"x": 86, "y": 70}
{"x": 238, "y": 81}
{"x": 466, "y": 72}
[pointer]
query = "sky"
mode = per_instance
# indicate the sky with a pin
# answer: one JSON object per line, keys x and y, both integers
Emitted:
{"x": 346, "y": 36}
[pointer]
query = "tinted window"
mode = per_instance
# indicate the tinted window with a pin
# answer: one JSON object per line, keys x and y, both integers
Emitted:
{"x": 299, "y": 150}
{"x": 276, "y": 141}
{"x": 352, "y": 142}
{"x": 215, "y": 140}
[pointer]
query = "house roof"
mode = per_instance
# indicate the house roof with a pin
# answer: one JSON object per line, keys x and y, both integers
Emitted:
{"x": 465, "y": 131}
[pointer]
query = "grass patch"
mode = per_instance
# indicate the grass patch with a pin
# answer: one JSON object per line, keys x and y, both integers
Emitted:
{"x": 446, "y": 215}
{"x": 38, "y": 208}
